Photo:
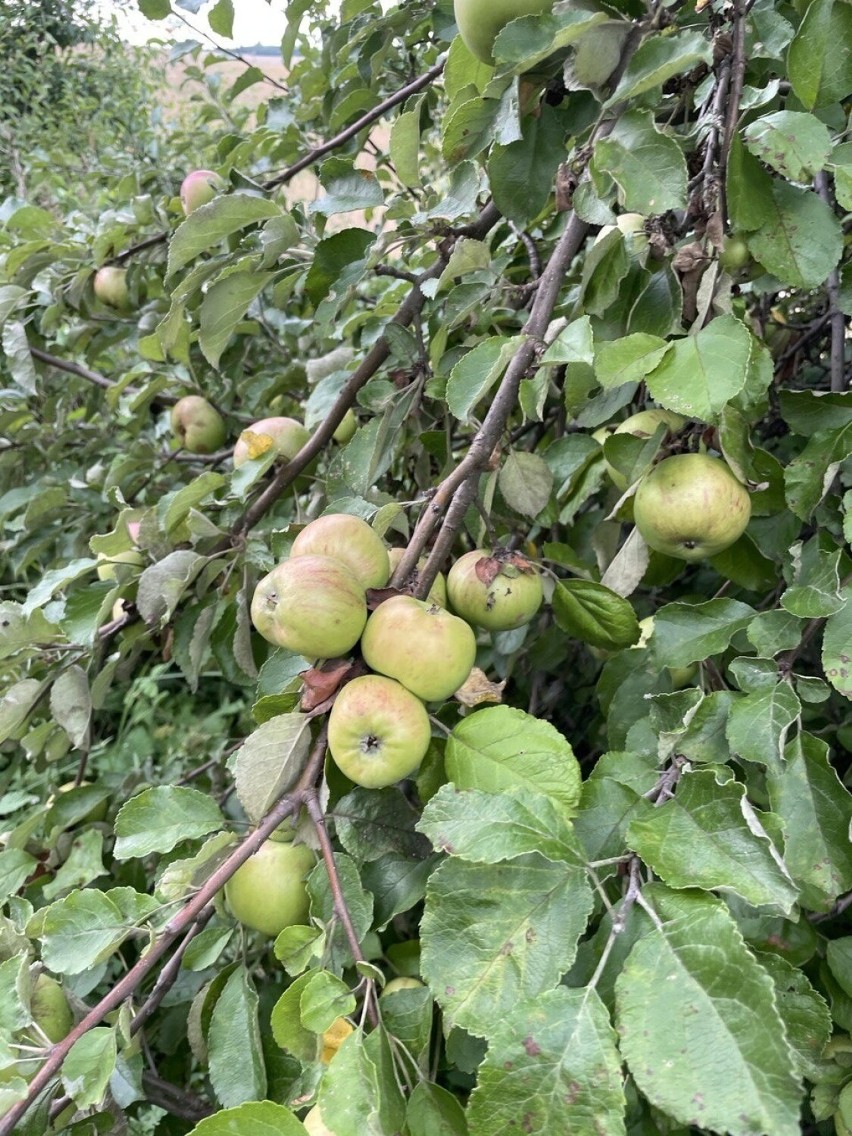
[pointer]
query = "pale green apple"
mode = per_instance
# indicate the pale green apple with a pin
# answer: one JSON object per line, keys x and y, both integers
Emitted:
{"x": 350, "y": 540}
{"x": 644, "y": 424}
{"x": 508, "y": 600}
{"x": 285, "y": 435}
{"x": 346, "y": 430}
{"x": 691, "y": 506}
{"x": 480, "y": 21}
{"x": 111, "y": 286}
{"x": 267, "y": 893}
{"x": 197, "y": 425}
{"x": 198, "y": 188}
{"x": 378, "y": 732}
{"x": 438, "y": 591}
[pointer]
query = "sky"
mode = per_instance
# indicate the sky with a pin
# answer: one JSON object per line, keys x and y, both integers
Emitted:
{"x": 255, "y": 21}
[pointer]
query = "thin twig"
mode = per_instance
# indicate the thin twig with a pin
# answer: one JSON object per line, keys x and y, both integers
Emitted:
{"x": 837, "y": 366}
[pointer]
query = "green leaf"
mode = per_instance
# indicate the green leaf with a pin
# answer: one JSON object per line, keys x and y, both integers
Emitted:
{"x": 488, "y": 827}
{"x": 359, "y": 1082}
{"x": 344, "y": 250}
{"x": 816, "y": 810}
{"x": 174, "y": 508}
{"x": 701, "y": 373}
{"x": 16, "y": 866}
{"x": 628, "y": 360}
{"x": 210, "y": 224}
{"x": 15, "y": 987}
{"x": 521, "y": 174}
{"x": 405, "y": 147}
{"x": 373, "y": 822}
{"x": 221, "y": 18}
{"x": 708, "y": 836}
{"x": 71, "y": 705}
{"x": 818, "y": 61}
{"x": 690, "y": 990}
{"x": 269, "y": 762}
{"x": 493, "y": 934}
{"x": 155, "y": 9}
{"x": 84, "y": 928}
{"x": 809, "y": 476}
{"x": 162, "y": 585}
{"x": 256, "y": 1118}
{"x": 658, "y": 59}
{"x": 794, "y": 144}
{"x": 224, "y": 305}
{"x": 690, "y": 633}
{"x": 837, "y": 646}
{"x": 338, "y": 952}
{"x": 501, "y": 748}
{"x": 647, "y": 165}
{"x": 526, "y": 482}
{"x": 157, "y": 819}
{"x": 758, "y": 723}
{"x": 237, "y": 1070}
{"x": 286, "y": 1023}
{"x": 595, "y": 614}
{"x": 552, "y": 1060}
{"x": 56, "y": 579}
{"x": 323, "y": 1000}
{"x": 88, "y": 1067}
{"x": 346, "y": 189}
{"x": 806, "y": 1017}
{"x": 800, "y": 240}
{"x": 83, "y": 864}
{"x": 468, "y": 128}
{"x": 477, "y": 371}
{"x": 432, "y": 1111}
{"x": 16, "y": 349}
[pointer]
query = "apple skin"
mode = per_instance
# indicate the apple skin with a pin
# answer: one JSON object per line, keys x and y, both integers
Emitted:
{"x": 378, "y": 732}
{"x": 314, "y": 1123}
{"x": 509, "y": 601}
{"x": 198, "y": 426}
{"x": 438, "y": 591}
{"x": 691, "y": 506}
{"x": 111, "y": 286}
{"x": 50, "y": 1009}
{"x": 643, "y": 425}
{"x": 401, "y": 983}
{"x": 106, "y": 568}
{"x": 735, "y": 254}
{"x": 312, "y": 605}
{"x": 480, "y": 21}
{"x": 428, "y": 650}
{"x": 199, "y": 187}
{"x": 347, "y": 428}
{"x": 287, "y": 437}
{"x": 349, "y": 540}
{"x": 267, "y": 893}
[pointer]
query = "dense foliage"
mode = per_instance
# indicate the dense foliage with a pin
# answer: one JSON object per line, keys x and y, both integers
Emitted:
{"x": 621, "y": 873}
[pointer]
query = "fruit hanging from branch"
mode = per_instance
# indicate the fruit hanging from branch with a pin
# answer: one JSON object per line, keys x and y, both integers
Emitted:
{"x": 198, "y": 188}
{"x": 349, "y": 540}
{"x": 480, "y": 21}
{"x": 494, "y": 592}
{"x": 267, "y": 893}
{"x": 691, "y": 506}
{"x": 285, "y": 435}
{"x": 378, "y": 732}
{"x": 197, "y": 425}
{"x": 110, "y": 286}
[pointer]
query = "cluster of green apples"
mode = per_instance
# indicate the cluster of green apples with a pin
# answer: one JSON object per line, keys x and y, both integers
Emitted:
{"x": 199, "y": 428}
{"x": 689, "y": 506}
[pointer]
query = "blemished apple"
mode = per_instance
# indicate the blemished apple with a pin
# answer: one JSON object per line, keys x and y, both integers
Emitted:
{"x": 197, "y": 425}
{"x": 285, "y": 435}
{"x": 198, "y": 188}
{"x": 49, "y": 1008}
{"x": 427, "y": 649}
{"x": 378, "y": 732}
{"x": 480, "y": 21}
{"x": 438, "y": 591}
{"x": 267, "y": 893}
{"x": 350, "y": 540}
{"x": 691, "y": 506}
{"x": 508, "y": 600}
{"x": 312, "y": 605}
{"x": 347, "y": 428}
{"x": 644, "y": 424}
{"x": 111, "y": 286}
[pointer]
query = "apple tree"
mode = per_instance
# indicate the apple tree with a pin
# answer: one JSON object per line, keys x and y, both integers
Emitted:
{"x": 539, "y": 821}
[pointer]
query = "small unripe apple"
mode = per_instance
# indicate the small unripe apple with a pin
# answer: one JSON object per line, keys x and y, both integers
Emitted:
{"x": 496, "y": 595}
{"x": 197, "y": 425}
{"x": 438, "y": 591}
{"x": 347, "y": 427}
{"x": 350, "y": 540}
{"x": 50, "y": 1009}
{"x": 199, "y": 187}
{"x": 428, "y": 650}
{"x": 267, "y": 893}
{"x": 644, "y": 424}
{"x": 111, "y": 286}
{"x": 401, "y": 983}
{"x": 735, "y": 253}
{"x": 480, "y": 21}
{"x": 312, "y": 605}
{"x": 691, "y": 506}
{"x": 378, "y": 732}
{"x": 285, "y": 435}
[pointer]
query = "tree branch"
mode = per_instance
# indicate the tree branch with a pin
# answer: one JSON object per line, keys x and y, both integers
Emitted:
{"x": 837, "y": 365}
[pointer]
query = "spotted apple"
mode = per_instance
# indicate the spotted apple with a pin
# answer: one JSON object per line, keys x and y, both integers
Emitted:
{"x": 197, "y": 425}
{"x": 494, "y": 593}
{"x": 285, "y": 435}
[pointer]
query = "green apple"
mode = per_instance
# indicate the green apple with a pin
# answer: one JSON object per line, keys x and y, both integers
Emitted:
{"x": 644, "y": 425}
{"x": 428, "y": 650}
{"x": 285, "y": 435}
{"x": 495, "y": 594}
{"x": 350, "y": 540}
{"x": 691, "y": 506}
{"x": 480, "y": 21}
{"x": 111, "y": 286}
{"x": 198, "y": 426}
{"x": 401, "y": 983}
{"x": 378, "y": 732}
{"x": 312, "y": 605}
{"x": 438, "y": 591}
{"x": 347, "y": 427}
{"x": 199, "y": 187}
{"x": 267, "y": 893}
{"x": 50, "y": 1010}
{"x": 735, "y": 254}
